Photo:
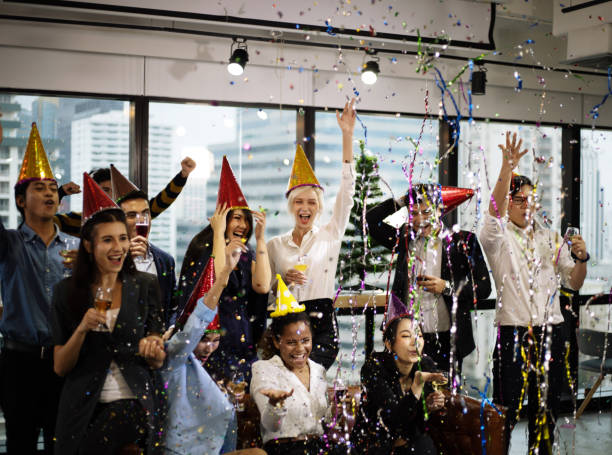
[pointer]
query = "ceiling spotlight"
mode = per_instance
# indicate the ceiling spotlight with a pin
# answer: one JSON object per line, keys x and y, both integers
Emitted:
{"x": 479, "y": 81}
{"x": 370, "y": 70}
{"x": 239, "y": 57}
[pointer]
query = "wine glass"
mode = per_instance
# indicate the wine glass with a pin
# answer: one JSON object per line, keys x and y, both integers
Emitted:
{"x": 72, "y": 244}
{"x": 569, "y": 233}
{"x": 237, "y": 387}
{"x": 102, "y": 302}
{"x": 142, "y": 225}
{"x": 301, "y": 266}
{"x": 437, "y": 385}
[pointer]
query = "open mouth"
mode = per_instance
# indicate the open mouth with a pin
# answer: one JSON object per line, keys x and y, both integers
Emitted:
{"x": 50, "y": 202}
{"x": 298, "y": 357}
{"x": 304, "y": 217}
{"x": 238, "y": 234}
{"x": 115, "y": 259}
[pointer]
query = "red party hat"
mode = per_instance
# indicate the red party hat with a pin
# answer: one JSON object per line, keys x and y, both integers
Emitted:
{"x": 453, "y": 197}
{"x": 230, "y": 193}
{"x": 95, "y": 199}
{"x": 214, "y": 326}
{"x": 205, "y": 282}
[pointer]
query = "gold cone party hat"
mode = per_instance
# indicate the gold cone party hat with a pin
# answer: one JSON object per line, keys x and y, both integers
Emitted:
{"x": 301, "y": 173}
{"x": 35, "y": 164}
{"x": 121, "y": 186}
{"x": 285, "y": 302}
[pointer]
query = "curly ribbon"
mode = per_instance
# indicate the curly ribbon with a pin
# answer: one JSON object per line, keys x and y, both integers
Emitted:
{"x": 483, "y": 403}
{"x": 595, "y": 111}
{"x": 439, "y": 80}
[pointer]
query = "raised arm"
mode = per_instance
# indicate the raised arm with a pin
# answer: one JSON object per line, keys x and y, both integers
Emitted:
{"x": 168, "y": 195}
{"x": 69, "y": 223}
{"x": 346, "y": 122}
{"x": 218, "y": 223}
{"x": 379, "y": 230}
{"x": 511, "y": 154}
{"x": 260, "y": 268}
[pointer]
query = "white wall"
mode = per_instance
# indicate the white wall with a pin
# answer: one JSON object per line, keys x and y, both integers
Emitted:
{"x": 125, "y": 62}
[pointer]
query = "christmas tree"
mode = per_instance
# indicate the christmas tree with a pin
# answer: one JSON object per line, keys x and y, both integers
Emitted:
{"x": 360, "y": 256}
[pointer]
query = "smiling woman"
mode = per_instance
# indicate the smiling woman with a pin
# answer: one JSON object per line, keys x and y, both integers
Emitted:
{"x": 105, "y": 352}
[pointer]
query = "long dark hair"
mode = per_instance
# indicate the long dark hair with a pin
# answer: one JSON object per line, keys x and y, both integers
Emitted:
{"x": 204, "y": 240}
{"x": 390, "y": 333}
{"x": 85, "y": 271}
{"x": 276, "y": 329}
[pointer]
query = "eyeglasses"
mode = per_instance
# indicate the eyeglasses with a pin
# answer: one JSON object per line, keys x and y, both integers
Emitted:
{"x": 520, "y": 200}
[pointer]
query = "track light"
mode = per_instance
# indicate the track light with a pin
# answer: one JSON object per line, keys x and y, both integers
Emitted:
{"x": 479, "y": 81}
{"x": 370, "y": 70}
{"x": 239, "y": 57}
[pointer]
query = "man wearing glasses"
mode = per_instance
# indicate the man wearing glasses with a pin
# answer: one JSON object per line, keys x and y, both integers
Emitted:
{"x": 529, "y": 263}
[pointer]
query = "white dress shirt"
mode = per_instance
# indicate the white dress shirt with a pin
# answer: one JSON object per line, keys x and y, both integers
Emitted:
{"x": 146, "y": 264}
{"x": 302, "y": 412}
{"x": 320, "y": 246}
{"x": 528, "y": 266}
{"x": 434, "y": 313}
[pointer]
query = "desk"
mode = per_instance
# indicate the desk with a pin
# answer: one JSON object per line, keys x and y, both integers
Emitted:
{"x": 366, "y": 304}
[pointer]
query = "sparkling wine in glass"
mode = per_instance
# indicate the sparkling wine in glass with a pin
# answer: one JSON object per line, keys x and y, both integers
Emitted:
{"x": 102, "y": 302}
{"x": 439, "y": 384}
{"x": 237, "y": 387}
{"x": 69, "y": 254}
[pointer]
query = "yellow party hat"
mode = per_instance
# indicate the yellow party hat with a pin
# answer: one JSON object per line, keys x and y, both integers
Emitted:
{"x": 285, "y": 302}
{"x": 301, "y": 173}
{"x": 35, "y": 163}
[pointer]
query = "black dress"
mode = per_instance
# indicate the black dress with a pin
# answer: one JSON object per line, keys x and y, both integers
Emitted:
{"x": 386, "y": 413}
{"x": 139, "y": 316}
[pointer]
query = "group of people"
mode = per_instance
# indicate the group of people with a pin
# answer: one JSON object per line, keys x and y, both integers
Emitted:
{"x": 105, "y": 352}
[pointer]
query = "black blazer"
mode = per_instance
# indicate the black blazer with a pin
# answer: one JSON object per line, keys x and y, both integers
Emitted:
{"x": 467, "y": 263}
{"x": 385, "y": 412}
{"x": 164, "y": 263}
{"x": 138, "y": 317}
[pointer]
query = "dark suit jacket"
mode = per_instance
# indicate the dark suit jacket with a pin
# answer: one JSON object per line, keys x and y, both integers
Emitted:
{"x": 138, "y": 317}
{"x": 164, "y": 263}
{"x": 466, "y": 262}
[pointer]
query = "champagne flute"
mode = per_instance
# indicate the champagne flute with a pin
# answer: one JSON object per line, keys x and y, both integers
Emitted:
{"x": 102, "y": 302}
{"x": 237, "y": 387}
{"x": 301, "y": 266}
{"x": 72, "y": 244}
{"x": 142, "y": 229}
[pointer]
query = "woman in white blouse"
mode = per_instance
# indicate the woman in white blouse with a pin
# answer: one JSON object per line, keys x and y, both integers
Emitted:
{"x": 290, "y": 390}
{"x": 315, "y": 248}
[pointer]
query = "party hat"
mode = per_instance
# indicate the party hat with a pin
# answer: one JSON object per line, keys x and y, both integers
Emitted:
{"x": 395, "y": 309}
{"x": 35, "y": 164}
{"x": 301, "y": 173}
{"x": 285, "y": 302}
{"x": 453, "y": 197}
{"x": 204, "y": 284}
{"x": 121, "y": 186}
{"x": 214, "y": 326}
{"x": 95, "y": 200}
{"x": 230, "y": 193}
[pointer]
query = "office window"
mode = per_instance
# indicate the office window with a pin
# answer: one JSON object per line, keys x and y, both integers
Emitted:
{"x": 259, "y": 145}
{"x": 66, "y": 128}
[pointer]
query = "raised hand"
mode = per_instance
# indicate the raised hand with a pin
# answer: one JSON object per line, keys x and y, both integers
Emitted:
{"x": 511, "y": 152}
{"x": 578, "y": 247}
{"x": 260, "y": 224}
{"x": 233, "y": 250}
{"x": 218, "y": 220}
{"x": 187, "y": 165}
{"x": 346, "y": 120}
{"x": 276, "y": 397}
{"x": 71, "y": 188}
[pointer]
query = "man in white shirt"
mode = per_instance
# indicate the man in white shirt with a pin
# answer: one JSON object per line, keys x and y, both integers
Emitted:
{"x": 529, "y": 264}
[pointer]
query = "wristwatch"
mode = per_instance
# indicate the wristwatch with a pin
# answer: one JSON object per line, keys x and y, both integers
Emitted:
{"x": 448, "y": 289}
{"x": 577, "y": 259}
